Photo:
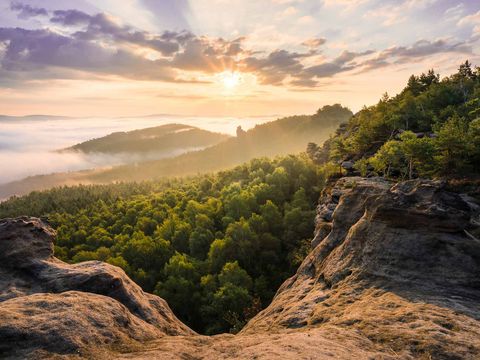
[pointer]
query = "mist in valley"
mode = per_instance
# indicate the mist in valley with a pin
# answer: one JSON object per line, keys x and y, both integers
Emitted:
{"x": 30, "y": 147}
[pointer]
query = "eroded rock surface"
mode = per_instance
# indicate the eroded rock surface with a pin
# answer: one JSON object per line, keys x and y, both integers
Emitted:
{"x": 397, "y": 263}
{"x": 394, "y": 274}
{"x": 49, "y": 306}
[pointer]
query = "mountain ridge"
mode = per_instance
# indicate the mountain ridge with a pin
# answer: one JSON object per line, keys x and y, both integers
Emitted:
{"x": 163, "y": 138}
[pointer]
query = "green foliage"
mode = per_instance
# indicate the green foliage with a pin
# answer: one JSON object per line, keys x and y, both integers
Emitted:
{"x": 216, "y": 247}
{"x": 430, "y": 129}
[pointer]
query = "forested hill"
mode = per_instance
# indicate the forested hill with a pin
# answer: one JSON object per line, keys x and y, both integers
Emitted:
{"x": 284, "y": 136}
{"x": 431, "y": 130}
{"x": 159, "y": 139}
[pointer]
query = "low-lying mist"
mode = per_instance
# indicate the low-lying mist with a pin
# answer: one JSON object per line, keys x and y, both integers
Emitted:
{"x": 29, "y": 147}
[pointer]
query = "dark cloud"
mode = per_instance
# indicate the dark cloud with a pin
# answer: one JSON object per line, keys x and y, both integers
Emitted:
{"x": 423, "y": 48}
{"x": 344, "y": 62}
{"x": 27, "y": 11}
{"x": 34, "y": 50}
{"x": 102, "y": 27}
{"x": 276, "y": 66}
{"x": 70, "y": 17}
{"x": 419, "y": 49}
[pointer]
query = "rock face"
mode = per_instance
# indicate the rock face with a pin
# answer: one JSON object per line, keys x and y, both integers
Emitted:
{"x": 48, "y": 305}
{"x": 394, "y": 274}
{"x": 396, "y": 263}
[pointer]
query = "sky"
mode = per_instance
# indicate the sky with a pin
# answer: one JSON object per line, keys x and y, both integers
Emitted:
{"x": 223, "y": 57}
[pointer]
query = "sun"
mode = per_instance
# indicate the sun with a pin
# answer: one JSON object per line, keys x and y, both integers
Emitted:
{"x": 230, "y": 80}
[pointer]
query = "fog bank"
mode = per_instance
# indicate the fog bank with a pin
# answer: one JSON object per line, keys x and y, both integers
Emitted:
{"x": 28, "y": 147}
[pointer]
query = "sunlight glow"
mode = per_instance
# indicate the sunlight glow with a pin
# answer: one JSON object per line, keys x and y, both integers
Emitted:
{"x": 230, "y": 80}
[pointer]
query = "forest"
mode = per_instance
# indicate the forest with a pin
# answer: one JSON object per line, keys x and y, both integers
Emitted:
{"x": 218, "y": 246}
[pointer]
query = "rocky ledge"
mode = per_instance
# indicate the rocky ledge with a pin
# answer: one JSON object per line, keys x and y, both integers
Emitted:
{"x": 393, "y": 274}
{"x": 396, "y": 263}
{"x": 48, "y": 306}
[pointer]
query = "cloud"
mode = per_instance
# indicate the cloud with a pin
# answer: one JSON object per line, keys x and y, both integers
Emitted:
{"x": 169, "y": 14}
{"x": 314, "y": 43}
{"x": 34, "y": 50}
{"x": 338, "y": 65}
{"x": 348, "y": 5}
{"x": 423, "y": 48}
{"x": 399, "y": 11}
{"x": 26, "y": 11}
{"x": 70, "y": 17}
{"x": 276, "y": 66}
{"x": 472, "y": 19}
{"x": 455, "y": 12}
{"x": 419, "y": 50}
{"x": 104, "y": 27}
{"x": 82, "y": 45}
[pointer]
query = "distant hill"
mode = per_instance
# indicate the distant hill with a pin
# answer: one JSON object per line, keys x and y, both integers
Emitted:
{"x": 288, "y": 135}
{"x": 160, "y": 139}
{"x": 32, "y": 117}
{"x": 284, "y": 136}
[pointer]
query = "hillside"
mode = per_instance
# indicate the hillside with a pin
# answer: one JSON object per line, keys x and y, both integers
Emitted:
{"x": 280, "y": 137}
{"x": 164, "y": 140}
{"x": 390, "y": 276}
{"x": 431, "y": 129}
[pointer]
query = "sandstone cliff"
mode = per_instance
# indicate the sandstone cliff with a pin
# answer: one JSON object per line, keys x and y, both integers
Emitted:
{"x": 393, "y": 274}
{"x": 395, "y": 263}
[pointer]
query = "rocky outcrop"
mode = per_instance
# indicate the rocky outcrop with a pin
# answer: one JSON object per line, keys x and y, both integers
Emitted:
{"x": 393, "y": 274}
{"x": 396, "y": 263}
{"x": 48, "y": 305}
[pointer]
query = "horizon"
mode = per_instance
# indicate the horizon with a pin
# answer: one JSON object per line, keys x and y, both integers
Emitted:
{"x": 222, "y": 59}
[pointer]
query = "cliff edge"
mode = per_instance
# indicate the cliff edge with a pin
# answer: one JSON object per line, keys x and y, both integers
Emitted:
{"x": 50, "y": 307}
{"x": 397, "y": 263}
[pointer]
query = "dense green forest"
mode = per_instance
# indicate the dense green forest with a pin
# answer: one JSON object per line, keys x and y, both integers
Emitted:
{"x": 159, "y": 139}
{"x": 216, "y": 247}
{"x": 431, "y": 129}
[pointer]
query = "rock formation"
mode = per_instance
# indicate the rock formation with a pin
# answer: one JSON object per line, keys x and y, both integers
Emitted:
{"x": 397, "y": 264}
{"x": 49, "y": 306}
{"x": 393, "y": 274}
